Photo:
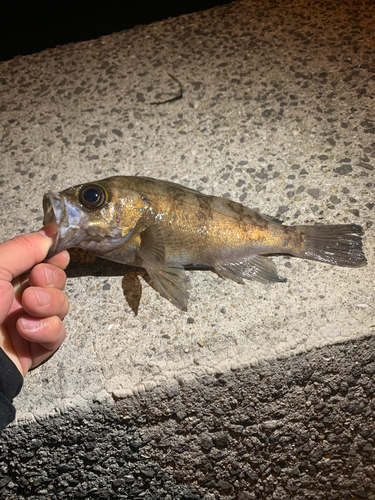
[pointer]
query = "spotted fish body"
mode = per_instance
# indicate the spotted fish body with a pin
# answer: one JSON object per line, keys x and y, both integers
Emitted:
{"x": 165, "y": 227}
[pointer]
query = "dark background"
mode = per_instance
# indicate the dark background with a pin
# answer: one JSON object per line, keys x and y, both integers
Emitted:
{"x": 31, "y": 26}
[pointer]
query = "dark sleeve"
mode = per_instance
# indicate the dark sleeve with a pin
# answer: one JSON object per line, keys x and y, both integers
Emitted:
{"x": 11, "y": 382}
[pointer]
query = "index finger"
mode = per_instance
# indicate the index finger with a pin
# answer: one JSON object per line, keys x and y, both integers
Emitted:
{"x": 21, "y": 253}
{"x": 60, "y": 260}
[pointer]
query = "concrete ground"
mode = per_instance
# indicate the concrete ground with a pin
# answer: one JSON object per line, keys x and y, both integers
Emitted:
{"x": 258, "y": 391}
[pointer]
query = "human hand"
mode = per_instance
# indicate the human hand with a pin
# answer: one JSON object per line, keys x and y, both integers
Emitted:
{"x": 32, "y": 305}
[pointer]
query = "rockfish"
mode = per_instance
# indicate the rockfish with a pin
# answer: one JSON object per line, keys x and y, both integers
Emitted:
{"x": 166, "y": 228}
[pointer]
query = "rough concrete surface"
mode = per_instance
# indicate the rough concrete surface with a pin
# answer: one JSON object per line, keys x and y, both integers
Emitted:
{"x": 301, "y": 427}
{"x": 277, "y": 113}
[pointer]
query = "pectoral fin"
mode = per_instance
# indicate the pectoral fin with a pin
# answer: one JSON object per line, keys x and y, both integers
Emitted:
{"x": 152, "y": 248}
{"x": 258, "y": 268}
{"x": 169, "y": 279}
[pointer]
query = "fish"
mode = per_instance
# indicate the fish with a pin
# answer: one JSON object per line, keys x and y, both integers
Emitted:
{"x": 166, "y": 228}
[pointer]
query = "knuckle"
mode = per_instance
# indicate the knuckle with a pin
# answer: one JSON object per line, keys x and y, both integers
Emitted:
{"x": 60, "y": 298}
{"x": 24, "y": 242}
{"x": 23, "y": 245}
{"x": 63, "y": 302}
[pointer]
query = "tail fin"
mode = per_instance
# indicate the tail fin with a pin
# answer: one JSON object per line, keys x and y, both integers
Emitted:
{"x": 339, "y": 245}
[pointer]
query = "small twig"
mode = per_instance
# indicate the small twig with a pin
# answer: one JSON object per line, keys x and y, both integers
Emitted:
{"x": 179, "y": 96}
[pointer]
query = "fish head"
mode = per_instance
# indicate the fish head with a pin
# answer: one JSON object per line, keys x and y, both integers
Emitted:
{"x": 97, "y": 216}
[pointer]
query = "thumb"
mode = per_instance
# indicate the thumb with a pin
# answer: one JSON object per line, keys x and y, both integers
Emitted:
{"x": 17, "y": 256}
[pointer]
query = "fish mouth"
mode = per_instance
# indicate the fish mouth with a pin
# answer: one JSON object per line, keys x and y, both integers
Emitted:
{"x": 69, "y": 220}
{"x": 75, "y": 230}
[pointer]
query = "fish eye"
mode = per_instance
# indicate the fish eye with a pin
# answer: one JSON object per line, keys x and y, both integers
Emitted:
{"x": 92, "y": 196}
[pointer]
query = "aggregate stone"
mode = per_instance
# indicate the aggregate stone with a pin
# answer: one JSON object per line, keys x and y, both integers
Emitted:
{"x": 314, "y": 193}
{"x": 343, "y": 170}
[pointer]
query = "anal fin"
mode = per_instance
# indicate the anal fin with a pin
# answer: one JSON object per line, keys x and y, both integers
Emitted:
{"x": 228, "y": 271}
{"x": 258, "y": 268}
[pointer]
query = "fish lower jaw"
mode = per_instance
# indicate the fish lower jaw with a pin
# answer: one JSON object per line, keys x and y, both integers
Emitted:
{"x": 67, "y": 237}
{"x": 101, "y": 243}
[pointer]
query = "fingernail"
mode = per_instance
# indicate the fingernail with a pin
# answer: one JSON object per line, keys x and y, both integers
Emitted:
{"x": 49, "y": 231}
{"x": 49, "y": 238}
{"x": 42, "y": 296}
{"x": 50, "y": 275}
{"x": 67, "y": 257}
{"x": 29, "y": 324}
